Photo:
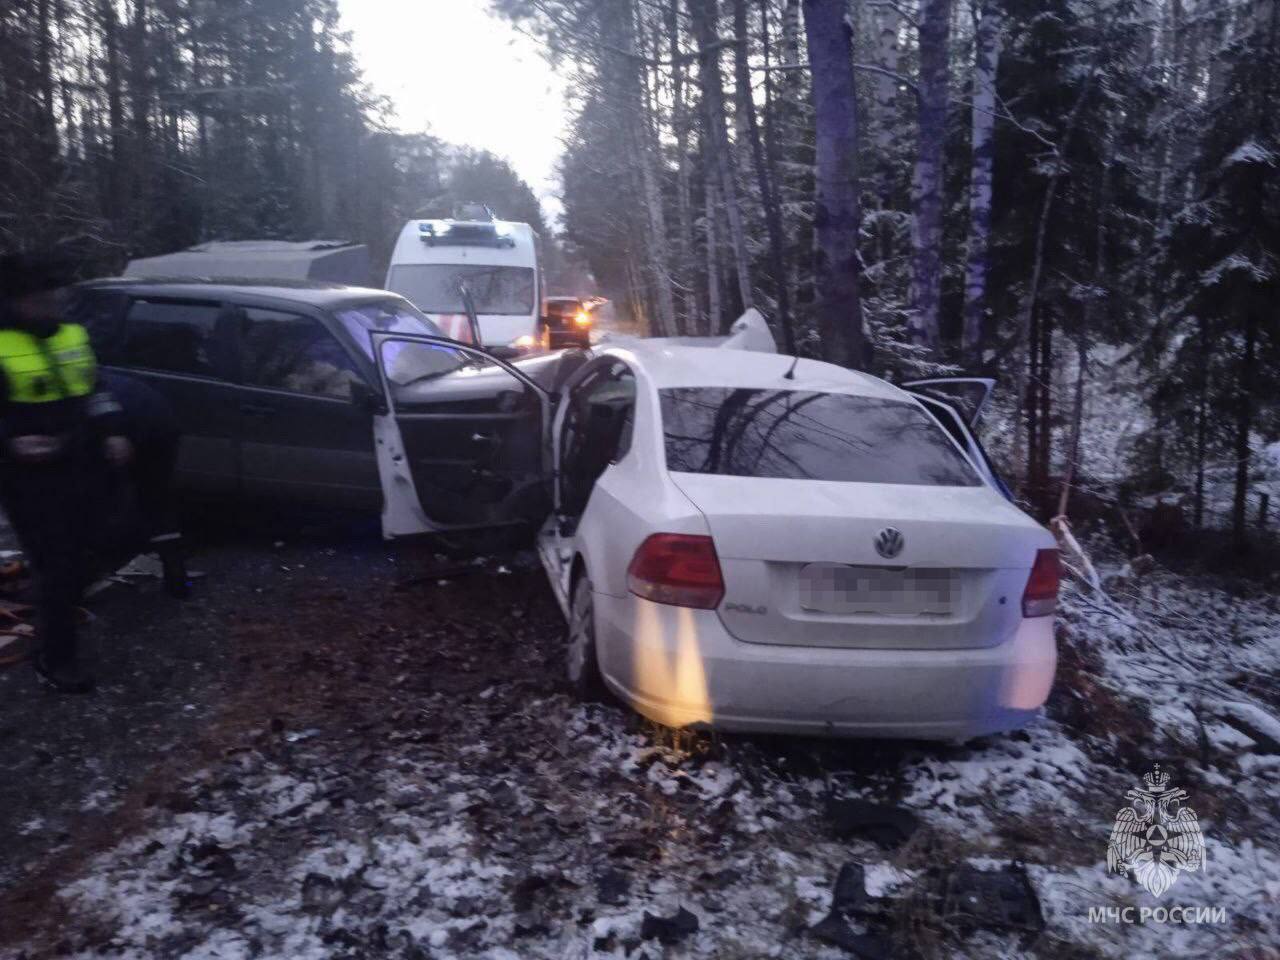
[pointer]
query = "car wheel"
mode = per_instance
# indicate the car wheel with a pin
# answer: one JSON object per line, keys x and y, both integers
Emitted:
{"x": 584, "y": 667}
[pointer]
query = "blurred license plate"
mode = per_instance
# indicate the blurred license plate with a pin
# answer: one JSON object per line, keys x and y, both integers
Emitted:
{"x": 840, "y": 588}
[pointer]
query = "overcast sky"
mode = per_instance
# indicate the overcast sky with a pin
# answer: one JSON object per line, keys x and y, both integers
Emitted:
{"x": 467, "y": 77}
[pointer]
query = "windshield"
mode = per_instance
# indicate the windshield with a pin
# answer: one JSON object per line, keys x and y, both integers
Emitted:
{"x": 801, "y": 435}
{"x": 391, "y": 316}
{"x": 433, "y": 287}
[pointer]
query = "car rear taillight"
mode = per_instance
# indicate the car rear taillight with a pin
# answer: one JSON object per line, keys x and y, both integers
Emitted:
{"x": 1040, "y": 598}
{"x": 679, "y": 569}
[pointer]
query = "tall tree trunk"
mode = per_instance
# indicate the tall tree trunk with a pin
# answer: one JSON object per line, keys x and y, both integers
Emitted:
{"x": 1202, "y": 420}
{"x": 141, "y": 187}
{"x": 1088, "y": 319}
{"x": 789, "y": 132}
{"x": 772, "y": 214}
{"x": 788, "y": 111}
{"x": 687, "y": 320}
{"x": 113, "y": 202}
{"x": 711, "y": 197}
{"x": 1031, "y": 408}
{"x": 1245, "y": 401}
{"x": 1070, "y": 476}
{"x": 1024, "y": 336}
{"x": 886, "y": 23}
{"x": 982, "y": 125}
{"x": 644, "y": 140}
{"x": 44, "y": 65}
{"x": 837, "y": 213}
{"x": 926, "y": 182}
{"x": 706, "y": 17}
{"x": 1044, "y": 386}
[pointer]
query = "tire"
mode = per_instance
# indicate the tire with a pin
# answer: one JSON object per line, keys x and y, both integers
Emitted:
{"x": 581, "y": 660}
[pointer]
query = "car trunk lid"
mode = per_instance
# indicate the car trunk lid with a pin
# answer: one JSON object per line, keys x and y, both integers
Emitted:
{"x": 801, "y": 563}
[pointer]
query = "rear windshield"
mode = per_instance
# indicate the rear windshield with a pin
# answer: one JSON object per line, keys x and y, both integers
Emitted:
{"x": 433, "y": 288}
{"x": 802, "y": 435}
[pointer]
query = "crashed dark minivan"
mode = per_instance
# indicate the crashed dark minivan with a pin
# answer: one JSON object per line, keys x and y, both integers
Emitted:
{"x": 275, "y": 386}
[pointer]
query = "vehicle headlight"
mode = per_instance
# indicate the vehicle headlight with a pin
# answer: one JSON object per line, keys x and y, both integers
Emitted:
{"x": 526, "y": 342}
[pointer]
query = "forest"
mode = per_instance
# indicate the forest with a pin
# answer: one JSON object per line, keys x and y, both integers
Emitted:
{"x": 1073, "y": 196}
{"x": 1064, "y": 194}
{"x": 141, "y": 127}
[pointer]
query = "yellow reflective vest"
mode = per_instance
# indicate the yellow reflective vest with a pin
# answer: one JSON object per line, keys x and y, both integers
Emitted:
{"x": 46, "y": 369}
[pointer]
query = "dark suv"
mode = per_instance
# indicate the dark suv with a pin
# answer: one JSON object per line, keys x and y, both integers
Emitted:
{"x": 274, "y": 382}
{"x": 569, "y": 320}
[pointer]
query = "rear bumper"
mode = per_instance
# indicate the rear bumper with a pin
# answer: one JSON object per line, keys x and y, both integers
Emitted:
{"x": 569, "y": 338}
{"x": 680, "y": 667}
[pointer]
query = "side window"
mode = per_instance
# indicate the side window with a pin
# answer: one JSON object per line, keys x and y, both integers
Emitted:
{"x": 175, "y": 336}
{"x": 619, "y": 395}
{"x": 285, "y": 351}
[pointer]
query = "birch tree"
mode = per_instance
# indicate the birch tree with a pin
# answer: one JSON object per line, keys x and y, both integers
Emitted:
{"x": 885, "y": 25}
{"x": 982, "y": 124}
{"x": 926, "y": 182}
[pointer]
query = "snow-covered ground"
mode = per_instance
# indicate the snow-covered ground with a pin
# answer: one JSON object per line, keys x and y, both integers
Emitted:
{"x": 514, "y": 823}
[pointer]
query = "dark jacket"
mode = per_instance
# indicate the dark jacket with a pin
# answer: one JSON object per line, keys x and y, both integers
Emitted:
{"x": 146, "y": 417}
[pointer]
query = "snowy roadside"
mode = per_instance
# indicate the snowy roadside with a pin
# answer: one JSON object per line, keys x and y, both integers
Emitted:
{"x": 505, "y": 821}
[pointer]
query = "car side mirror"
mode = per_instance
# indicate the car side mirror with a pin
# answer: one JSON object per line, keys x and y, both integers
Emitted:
{"x": 364, "y": 397}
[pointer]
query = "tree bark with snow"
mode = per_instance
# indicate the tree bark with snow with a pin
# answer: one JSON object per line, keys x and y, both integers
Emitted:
{"x": 926, "y": 183}
{"x": 986, "y": 59}
{"x": 643, "y": 154}
{"x": 768, "y": 199}
{"x": 706, "y": 18}
{"x": 886, "y": 25}
{"x": 689, "y": 318}
{"x": 837, "y": 208}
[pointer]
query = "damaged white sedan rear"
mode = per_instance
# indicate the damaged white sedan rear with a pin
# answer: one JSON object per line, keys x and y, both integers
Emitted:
{"x": 745, "y": 541}
{"x": 792, "y": 547}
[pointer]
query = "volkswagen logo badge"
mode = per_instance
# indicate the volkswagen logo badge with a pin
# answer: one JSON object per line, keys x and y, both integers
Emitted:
{"x": 889, "y": 542}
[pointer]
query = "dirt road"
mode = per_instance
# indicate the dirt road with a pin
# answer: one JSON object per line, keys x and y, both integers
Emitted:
{"x": 338, "y": 749}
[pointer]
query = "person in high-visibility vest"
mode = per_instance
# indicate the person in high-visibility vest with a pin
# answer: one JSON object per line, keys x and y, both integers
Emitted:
{"x": 55, "y": 426}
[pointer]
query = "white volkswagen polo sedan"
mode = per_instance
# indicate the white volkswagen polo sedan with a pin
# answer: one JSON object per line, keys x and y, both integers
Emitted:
{"x": 747, "y": 541}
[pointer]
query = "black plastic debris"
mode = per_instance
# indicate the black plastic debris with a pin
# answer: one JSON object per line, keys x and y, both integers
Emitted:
{"x": 850, "y": 892}
{"x": 883, "y": 825}
{"x": 613, "y": 887}
{"x": 212, "y": 858}
{"x": 1004, "y": 899}
{"x": 668, "y": 930}
{"x": 835, "y": 930}
{"x": 849, "y": 898}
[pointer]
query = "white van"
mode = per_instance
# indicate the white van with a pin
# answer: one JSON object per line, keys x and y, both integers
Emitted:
{"x": 498, "y": 262}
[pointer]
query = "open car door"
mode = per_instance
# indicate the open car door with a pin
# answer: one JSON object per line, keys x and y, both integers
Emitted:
{"x": 460, "y": 443}
{"x": 968, "y": 395}
{"x": 955, "y": 421}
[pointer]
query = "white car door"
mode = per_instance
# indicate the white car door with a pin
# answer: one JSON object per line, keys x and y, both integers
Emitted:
{"x": 967, "y": 395}
{"x": 590, "y": 429}
{"x": 957, "y": 417}
{"x": 461, "y": 444}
